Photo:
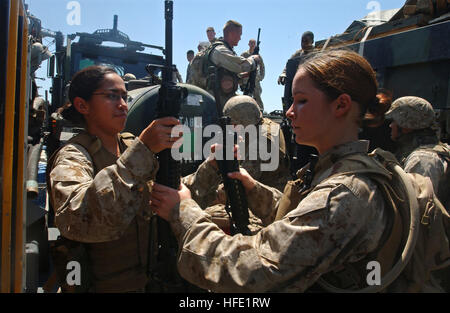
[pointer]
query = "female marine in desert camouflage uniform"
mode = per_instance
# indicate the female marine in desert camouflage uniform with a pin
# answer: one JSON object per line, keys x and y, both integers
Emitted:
{"x": 326, "y": 221}
{"x": 98, "y": 181}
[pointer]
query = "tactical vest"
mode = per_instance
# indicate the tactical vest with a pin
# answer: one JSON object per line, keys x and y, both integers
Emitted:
{"x": 119, "y": 265}
{"x": 198, "y": 68}
{"x": 228, "y": 81}
{"x": 431, "y": 250}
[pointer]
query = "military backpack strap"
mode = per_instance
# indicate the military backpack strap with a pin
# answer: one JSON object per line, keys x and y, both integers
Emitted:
{"x": 207, "y": 54}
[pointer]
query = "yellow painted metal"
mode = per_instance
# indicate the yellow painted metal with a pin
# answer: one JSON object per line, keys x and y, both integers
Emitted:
{"x": 8, "y": 149}
{"x": 20, "y": 224}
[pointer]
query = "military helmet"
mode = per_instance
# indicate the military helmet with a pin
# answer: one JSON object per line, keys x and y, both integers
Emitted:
{"x": 128, "y": 76}
{"x": 243, "y": 110}
{"x": 412, "y": 113}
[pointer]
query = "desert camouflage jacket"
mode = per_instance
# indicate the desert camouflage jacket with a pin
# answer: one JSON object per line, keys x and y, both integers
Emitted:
{"x": 341, "y": 220}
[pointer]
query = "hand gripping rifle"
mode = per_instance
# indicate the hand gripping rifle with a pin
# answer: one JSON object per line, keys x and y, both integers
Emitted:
{"x": 236, "y": 206}
{"x": 250, "y": 86}
{"x": 169, "y": 103}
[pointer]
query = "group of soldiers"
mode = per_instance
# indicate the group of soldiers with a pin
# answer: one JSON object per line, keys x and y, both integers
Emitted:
{"x": 234, "y": 69}
{"x": 410, "y": 122}
{"x": 111, "y": 226}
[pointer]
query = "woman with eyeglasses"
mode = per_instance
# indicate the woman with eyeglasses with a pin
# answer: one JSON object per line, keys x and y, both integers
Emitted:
{"x": 99, "y": 186}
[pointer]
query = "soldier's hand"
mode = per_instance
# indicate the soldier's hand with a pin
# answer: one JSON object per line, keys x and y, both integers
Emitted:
{"x": 163, "y": 199}
{"x": 161, "y": 134}
{"x": 247, "y": 181}
{"x": 217, "y": 149}
{"x": 282, "y": 80}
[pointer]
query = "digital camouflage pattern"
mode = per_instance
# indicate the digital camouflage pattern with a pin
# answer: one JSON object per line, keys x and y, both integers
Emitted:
{"x": 428, "y": 163}
{"x": 412, "y": 113}
{"x": 326, "y": 229}
{"x": 99, "y": 208}
{"x": 223, "y": 56}
{"x": 220, "y": 217}
{"x": 243, "y": 110}
{"x": 205, "y": 183}
{"x": 229, "y": 65}
{"x": 422, "y": 153}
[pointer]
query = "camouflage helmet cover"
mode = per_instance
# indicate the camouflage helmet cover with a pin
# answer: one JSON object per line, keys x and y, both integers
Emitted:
{"x": 243, "y": 110}
{"x": 412, "y": 113}
{"x": 128, "y": 77}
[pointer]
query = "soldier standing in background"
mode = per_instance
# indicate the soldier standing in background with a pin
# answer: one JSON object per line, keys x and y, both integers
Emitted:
{"x": 420, "y": 151}
{"x": 189, "y": 56}
{"x": 260, "y": 74}
{"x": 99, "y": 185}
{"x": 418, "y": 147}
{"x": 299, "y": 154}
{"x": 307, "y": 47}
{"x": 211, "y": 33}
{"x": 176, "y": 75}
{"x": 228, "y": 64}
{"x": 332, "y": 218}
{"x": 243, "y": 110}
{"x": 202, "y": 45}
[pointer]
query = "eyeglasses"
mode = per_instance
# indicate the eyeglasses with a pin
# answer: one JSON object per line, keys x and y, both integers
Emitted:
{"x": 113, "y": 96}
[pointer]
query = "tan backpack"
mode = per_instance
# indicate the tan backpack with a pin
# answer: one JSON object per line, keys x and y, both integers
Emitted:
{"x": 199, "y": 66}
{"x": 420, "y": 231}
{"x": 416, "y": 239}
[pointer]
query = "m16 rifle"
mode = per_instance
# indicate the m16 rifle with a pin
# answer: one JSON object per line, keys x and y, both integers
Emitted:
{"x": 162, "y": 263}
{"x": 236, "y": 205}
{"x": 250, "y": 86}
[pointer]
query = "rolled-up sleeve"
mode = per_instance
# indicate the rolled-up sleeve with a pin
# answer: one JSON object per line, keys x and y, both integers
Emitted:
{"x": 98, "y": 208}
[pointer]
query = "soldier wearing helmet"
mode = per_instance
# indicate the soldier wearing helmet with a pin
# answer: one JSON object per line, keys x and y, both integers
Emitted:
{"x": 419, "y": 149}
{"x": 205, "y": 182}
{"x": 128, "y": 76}
{"x": 244, "y": 110}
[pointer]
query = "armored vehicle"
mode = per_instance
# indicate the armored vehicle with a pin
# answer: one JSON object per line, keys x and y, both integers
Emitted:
{"x": 409, "y": 48}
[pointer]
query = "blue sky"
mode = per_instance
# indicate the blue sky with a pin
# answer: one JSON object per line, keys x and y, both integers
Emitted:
{"x": 281, "y": 21}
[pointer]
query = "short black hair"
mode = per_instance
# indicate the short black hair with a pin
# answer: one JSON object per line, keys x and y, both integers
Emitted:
{"x": 308, "y": 34}
{"x": 190, "y": 52}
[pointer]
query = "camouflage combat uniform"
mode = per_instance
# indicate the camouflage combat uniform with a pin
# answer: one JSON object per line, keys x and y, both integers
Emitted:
{"x": 208, "y": 191}
{"x": 341, "y": 220}
{"x": 229, "y": 65}
{"x": 260, "y": 74}
{"x": 420, "y": 151}
{"x": 105, "y": 207}
{"x": 417, "y": 154}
